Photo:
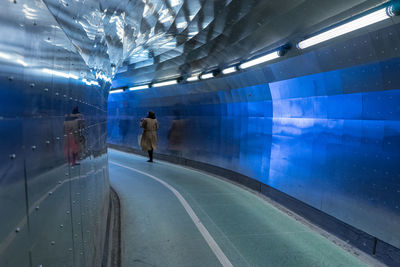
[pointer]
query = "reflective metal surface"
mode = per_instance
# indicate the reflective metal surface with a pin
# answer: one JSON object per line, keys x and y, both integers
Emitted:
{"x": 52, "y": 213}
{"x": 323, "y": 127}
{"x": 171, "y": 38}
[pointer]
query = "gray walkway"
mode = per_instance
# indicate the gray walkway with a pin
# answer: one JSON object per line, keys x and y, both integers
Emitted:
{"x": 172, "y": 215}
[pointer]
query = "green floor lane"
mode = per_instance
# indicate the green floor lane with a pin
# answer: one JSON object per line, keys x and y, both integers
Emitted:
{"x": 157, "y": 230}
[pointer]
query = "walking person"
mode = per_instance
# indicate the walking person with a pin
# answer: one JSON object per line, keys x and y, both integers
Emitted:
{"x": 149, "y": 136}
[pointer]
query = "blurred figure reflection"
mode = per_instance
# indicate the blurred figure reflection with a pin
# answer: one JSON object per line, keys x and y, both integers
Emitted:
{"x": 75, "y": 141}
{"x": 149, "y": 136}
{"x": 176, "y": 134}
{"x": 123, "y": 128}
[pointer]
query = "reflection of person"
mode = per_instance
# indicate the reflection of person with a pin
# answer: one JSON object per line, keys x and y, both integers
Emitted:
{"x": 149, "y": 136}
{"x": 123, "y": 128}
{"x": 176, "y": 133}
{"x": 74, "y": 141}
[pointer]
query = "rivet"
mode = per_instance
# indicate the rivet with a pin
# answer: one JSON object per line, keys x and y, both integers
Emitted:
{"x": 57, "y": 93}
{"x": 17, "y": 230}
{"x": 50, "y": 193}
{"x": 33, "y": 147}
{"x": 10, "y": 78}
{"x": 67, "y": 211}
{"x": 58, "y": 138}
{"x": 47, "y": 142}
{"x": 70, "y": 249}
{"x": 61, "y": 225}
{"x": 65, "y": 95}
{"x": 46, "y": 89}
{"x": 37, "y": 207}
{"x": 32, "y": 85}
{"x": 53, "y": 243}
{"x": 13, "y": 156}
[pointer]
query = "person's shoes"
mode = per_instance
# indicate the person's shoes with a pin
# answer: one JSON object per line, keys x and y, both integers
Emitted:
{"x": 150, "y": 160}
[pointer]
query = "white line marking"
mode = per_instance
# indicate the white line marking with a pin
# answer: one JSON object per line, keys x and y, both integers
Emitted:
{"x": 209, "y": 239}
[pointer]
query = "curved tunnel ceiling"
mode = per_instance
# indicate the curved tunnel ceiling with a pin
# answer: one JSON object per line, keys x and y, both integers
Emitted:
{"x": 142, "y": 41}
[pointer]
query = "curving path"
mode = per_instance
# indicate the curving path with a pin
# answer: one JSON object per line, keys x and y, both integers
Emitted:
{"x": 174, "y": 216}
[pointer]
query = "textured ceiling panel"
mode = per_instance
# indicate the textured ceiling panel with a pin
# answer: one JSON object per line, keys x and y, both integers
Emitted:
{"x": 152, "y": 40}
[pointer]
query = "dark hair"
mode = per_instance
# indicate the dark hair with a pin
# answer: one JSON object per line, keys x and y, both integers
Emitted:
{"x": 75, "y": 110}
{"x": 151, "y": 115}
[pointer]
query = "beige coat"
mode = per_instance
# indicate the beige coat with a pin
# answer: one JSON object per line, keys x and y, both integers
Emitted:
{"x": 149, "y": 136}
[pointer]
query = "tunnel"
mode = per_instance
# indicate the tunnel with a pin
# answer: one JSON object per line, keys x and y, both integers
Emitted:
{"x": 199, "y": 133}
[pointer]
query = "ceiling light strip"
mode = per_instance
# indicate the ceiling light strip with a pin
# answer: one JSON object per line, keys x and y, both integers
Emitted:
{"x": 268, "y": 57}
{"x": 353, "y": 25}
{"x": 165, "y": 83}
{"x": 116, "y": 91}
{"x": 229, "y": 70}
{"x": 140, "y": 87}
{"x": 207, "y": 76}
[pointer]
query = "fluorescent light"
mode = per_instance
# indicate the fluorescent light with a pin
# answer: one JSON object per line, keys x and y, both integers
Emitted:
{"x": 207, "y": 76}
{"x": 165, "y": 83}
{"x": 353, "y": 25}
{"x": 116, "y": 91}
{"x": 60, "y": 73}
{"x": 193, "y": 78}
{"x": 259, "y": 60}
{"x": 139, "y": 87}
{"x": 229, "y": 70}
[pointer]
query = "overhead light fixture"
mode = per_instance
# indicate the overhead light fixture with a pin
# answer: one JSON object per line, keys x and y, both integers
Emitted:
{"x": 140, "y": 87}
{"x": 268, "y": 57}
{"x": 229, "y": 70}
{"x": 350, "y": 26}
{"x": 116, "y": 91}
{"x": 193, "y": 78}
{"x": 206, "y": 76}
{"x": 165, "y": 83}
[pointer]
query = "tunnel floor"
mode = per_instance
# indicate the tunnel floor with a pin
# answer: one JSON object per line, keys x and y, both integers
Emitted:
{"x": 175, "y": 216}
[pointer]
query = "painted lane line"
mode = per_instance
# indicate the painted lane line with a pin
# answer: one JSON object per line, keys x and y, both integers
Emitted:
{"x": 203, "y": 230}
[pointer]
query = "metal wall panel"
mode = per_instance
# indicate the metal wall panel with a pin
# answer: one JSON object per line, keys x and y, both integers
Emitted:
{"x": 52, "y": 213}
{"x": 323, "y": 127}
